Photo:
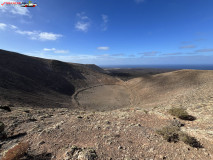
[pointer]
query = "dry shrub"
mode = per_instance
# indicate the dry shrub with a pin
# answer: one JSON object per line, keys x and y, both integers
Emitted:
{"x": 16, "y": 152}
{"x": 169, "y": 133}
{"x": 177, "y": 112}
{"x": 181, "y": 113}
{"x": 173, "y": 134}
{"x": 176, "y": 123}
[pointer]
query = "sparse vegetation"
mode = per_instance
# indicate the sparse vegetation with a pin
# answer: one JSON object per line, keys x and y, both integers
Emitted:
{"x": 146, "y": 112}
{"x": 176, "y": 123}
{"x": 169, "y": 133}
{"x": 181, "y": 113}
{"x": 173, "y": 134}
{"x": 16, "y": 152}
{"x": 178, "y": 112}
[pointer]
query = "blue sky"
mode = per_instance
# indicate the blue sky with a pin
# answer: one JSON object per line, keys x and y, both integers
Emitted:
{"x": 111, "y": 32}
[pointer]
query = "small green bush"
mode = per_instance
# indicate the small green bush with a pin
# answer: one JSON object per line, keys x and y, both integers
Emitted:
{"x": 169, "y": 133}
{"x": 181, "y": 113}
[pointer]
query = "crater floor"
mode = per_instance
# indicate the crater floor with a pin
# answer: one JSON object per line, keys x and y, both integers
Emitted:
{"x": 106, "y": 97}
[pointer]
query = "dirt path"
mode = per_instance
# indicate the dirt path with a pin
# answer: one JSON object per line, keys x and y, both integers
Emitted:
{"x": 75, "y": 95}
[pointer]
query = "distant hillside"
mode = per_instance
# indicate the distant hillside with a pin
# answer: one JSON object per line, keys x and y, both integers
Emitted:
{"x": 42, "y": 82}
{"x": 175, "y": 88}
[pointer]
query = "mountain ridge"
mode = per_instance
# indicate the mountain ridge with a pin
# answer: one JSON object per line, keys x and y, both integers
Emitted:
{"x": 34, "y": 75}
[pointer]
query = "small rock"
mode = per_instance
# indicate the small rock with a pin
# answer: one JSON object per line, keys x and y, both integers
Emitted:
{"x": 108, "y": 122}
{"x": 79, "y": 117}
{"x": 120, "y": 147}
{"x": 32, "y": 120}
{"x": 87, "y": 154}
{"x": 27, "y": 111}
{"x": 3, "y": 135}
{"x": 42, "y": 142}
{"x": 206, "y": 153}
{"x": 75, "y": 153}
{"x": 151, "y": 149}
{"x": 162, "y": 157}
{"x": 139, "y": 125}
{"x": 6, "y": 108}
{"x": 104, "y": 136}
{"x": 117, "y": 135}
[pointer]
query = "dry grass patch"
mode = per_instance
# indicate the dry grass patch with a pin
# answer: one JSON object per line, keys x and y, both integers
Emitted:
{"x": 169, "y": 133}
{"x": 173, "y": 134}
{"x": 181, "y": 113}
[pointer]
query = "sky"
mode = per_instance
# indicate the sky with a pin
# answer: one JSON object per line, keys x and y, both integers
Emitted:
{"x": 111, "y": 32}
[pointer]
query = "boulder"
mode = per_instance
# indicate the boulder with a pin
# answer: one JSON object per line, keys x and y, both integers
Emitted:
{"x": 76, "y": 153}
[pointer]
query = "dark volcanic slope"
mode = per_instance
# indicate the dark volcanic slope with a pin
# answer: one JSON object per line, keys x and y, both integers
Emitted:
{"x": 44, "y": 82}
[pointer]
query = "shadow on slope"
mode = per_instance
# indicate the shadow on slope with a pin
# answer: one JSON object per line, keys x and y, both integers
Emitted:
{"x": 43, "y": 82}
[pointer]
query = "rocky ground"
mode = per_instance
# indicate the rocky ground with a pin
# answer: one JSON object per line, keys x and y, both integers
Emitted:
{"x": 121, "y": 134}
{"x": 127, "y": 132}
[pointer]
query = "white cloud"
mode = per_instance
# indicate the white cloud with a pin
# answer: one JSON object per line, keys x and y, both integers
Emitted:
{"x": 20, "y": 10}
{"x": 13, "y": 9}
{"x": 43, "y": 36}
{"x": 47, "y": 49}
{"x": 55, "y": 50}
{"x": 82, "y": 26}
{"x": 34, "y": 35}
{"x": 13, "y": 27}
{"x": 29, "y": 33}
{"x": 103, "y": 48}
{"x": 61, "y": 51}
{"x": 83, "y": 22}
{"x": 48, "y": 36}
{"x": 105, "y": 22}
{"x": 139, "y": 1}
{"x": 2, "y": 26}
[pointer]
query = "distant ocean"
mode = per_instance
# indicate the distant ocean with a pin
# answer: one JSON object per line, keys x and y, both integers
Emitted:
{"x": 198, "y": 67}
